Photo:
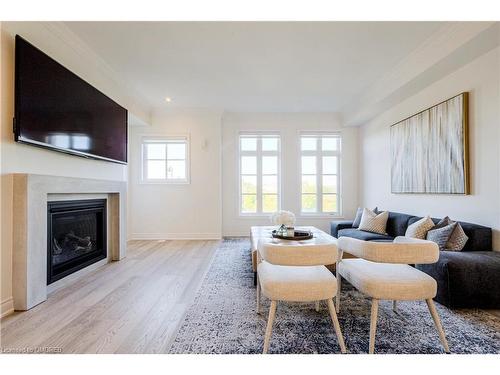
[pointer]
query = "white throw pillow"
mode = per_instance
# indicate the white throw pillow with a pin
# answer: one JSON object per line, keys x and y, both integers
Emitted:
{"x": 371, "y": 222}
{"x": 420, "y": 228}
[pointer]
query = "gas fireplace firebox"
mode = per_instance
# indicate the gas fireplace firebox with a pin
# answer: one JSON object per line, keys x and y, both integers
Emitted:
{"x": 76, "y": 236}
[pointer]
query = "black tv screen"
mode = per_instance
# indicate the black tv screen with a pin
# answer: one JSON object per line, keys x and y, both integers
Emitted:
{"x": 55, "y": 108}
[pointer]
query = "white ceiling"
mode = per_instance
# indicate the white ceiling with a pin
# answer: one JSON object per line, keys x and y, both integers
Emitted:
{"x": 253, "y": 66}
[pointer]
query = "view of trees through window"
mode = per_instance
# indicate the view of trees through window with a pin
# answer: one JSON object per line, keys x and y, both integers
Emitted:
{"x": 259, "y": 173}
{"x": 320, "y": 161}
{"x": 319, "y": 173}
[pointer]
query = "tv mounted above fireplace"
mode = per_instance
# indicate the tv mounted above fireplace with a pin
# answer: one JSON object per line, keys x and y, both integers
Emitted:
{"x": 56, "y": 109}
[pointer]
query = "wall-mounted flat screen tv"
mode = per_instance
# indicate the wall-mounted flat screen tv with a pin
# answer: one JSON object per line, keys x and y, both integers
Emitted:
{"x": 56, "y": 109}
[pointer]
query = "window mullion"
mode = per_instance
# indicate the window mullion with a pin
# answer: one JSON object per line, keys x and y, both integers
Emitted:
{"x": 339, "y": 189}
{"x": 166, "y": 160}
{"x": 259, "y": 175}
{"x": 319, "y": 176}
{"x": 278, "y": 176}
{"x": 145, "y": 167}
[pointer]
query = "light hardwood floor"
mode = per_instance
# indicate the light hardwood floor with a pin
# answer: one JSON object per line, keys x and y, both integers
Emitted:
{"x": 135, "y": 305}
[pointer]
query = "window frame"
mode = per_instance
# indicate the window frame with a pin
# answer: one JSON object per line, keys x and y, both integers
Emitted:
{"x": 319, "y": 154}
{"x": 259, "y": 153}
{"x": 165, "y": 139}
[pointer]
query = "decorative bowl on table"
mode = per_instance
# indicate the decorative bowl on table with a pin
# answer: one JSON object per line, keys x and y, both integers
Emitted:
{"x": 299, "y": 235}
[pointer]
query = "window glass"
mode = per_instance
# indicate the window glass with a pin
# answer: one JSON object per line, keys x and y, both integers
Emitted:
{"x": 320, "y": 174}
{"x": 248, "y": 144}
{"x": 248, "y": 165}
{"x": 164, "y": 160}
{"x": 269, "y": 144}
{"x": 308, "y": 144}
{"x": 259, "y": 174}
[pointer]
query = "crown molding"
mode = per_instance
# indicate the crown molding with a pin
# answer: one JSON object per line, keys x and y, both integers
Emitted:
{"x": 380, "y": 96}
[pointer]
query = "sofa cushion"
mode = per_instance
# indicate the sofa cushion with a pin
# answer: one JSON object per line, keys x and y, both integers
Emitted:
{"x": 337, "y": 225}
{"x": 466, "y": 279}
{"x": 419, "y": 228}
{"x": 397, "y": 224}
{"x": 441, "y": 235}
{"x": 359, "y": 214}
{"x": 457, "y": 240}
{"x": 372, "y": 222}
{"x": 480, "y": 237}
{"x": 363, "y": 235}
{"x": 357, "y": 219}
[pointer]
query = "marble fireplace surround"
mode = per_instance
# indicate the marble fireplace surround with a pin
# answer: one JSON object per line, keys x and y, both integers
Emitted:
{"x": 31, "y": 194}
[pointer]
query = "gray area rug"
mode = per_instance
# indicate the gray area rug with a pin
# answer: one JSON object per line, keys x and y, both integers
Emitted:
{"x": 222, "y": 319}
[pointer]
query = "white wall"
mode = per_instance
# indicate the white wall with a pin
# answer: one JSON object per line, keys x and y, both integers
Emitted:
{"x": 190, "y": 211}
{"x": 18, "y": 158}
{"x": 481, "y": 78}
{"x": 289, "y": 125}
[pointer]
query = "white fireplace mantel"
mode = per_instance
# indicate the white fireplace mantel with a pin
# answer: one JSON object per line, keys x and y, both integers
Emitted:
{"x": 31, "y": 194}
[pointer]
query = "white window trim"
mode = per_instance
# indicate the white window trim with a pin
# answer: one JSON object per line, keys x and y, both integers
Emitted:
{"x": 166, "y": 138}
{"x": 259, "y": 153}
{"x": 319, "y": 170}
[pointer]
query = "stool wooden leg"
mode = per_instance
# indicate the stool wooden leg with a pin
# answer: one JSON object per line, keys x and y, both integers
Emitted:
{"x": 317, "y": 306}
{"x": 437, "y": 322}
{"x": 269, "y": 328}
{"x": 258, "y": 297}
{"x": 373, "y": 325}
{"x": 339, "y": 283}
{"x": 336, "y": 325}
{"x": 394, "y": 305}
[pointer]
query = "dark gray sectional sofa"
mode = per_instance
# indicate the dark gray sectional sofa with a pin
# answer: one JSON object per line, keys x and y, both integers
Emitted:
{"x": 468, "y": 278}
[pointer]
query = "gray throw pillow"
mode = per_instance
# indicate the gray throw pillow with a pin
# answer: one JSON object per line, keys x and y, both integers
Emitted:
{"x": 359, "y": 214}
{"x": 441, "y": 235}
{"x": 357, "y": 219}
{"x": 458, "y": 238}
{"x": 443, "y": 222}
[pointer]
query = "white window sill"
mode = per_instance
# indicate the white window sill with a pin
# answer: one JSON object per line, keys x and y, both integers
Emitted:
{"x": 255, "y": 216}
{"x": 164, "y": 183}
{"x": 320, "y": 216}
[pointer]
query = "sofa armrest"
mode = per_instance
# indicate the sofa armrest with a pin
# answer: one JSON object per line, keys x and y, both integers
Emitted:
{"x": 440, "y": 272}
{"x": 337, "y": 225}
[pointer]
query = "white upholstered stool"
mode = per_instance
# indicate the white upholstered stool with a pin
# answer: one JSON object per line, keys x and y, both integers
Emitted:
{"x": 296, "y": 273}
{"x": 382, "y": 273}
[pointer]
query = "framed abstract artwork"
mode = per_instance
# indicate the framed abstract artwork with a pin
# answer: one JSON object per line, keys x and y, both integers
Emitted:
{"x": 429, "y": 150}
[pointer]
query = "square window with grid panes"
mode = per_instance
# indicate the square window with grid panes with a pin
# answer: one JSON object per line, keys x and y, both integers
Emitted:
{"x": 259, "y": 173}
{"x": 165, "y": 160}
{"x": 320, "y": 173}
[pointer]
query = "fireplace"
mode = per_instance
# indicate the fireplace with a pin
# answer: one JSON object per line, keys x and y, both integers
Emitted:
{"x": 76, "y": 236}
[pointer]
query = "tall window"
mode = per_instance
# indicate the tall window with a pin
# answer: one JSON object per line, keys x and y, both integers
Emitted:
{"x": 259, "y": 173}
{"x": 165, "y": 160}
{"x": 320, "y": 173}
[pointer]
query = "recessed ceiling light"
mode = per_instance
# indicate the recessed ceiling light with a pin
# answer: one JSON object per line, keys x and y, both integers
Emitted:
{"x": 168, "y": 100}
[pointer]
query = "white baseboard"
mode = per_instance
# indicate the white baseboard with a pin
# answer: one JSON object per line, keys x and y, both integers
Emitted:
{"x": 175, "y": 236}
{"x": 237, "y": 234}
{"x": 7, "y": 307}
